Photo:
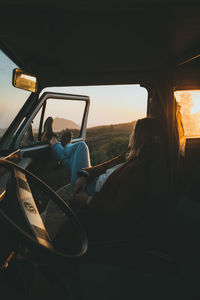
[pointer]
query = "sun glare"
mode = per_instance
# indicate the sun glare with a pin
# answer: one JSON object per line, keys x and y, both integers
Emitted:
{"x": 190, "y": 111}
{"x": 196, "y": 101}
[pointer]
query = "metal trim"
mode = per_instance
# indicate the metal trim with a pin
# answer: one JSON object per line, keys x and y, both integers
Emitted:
{"x": 57, "y": 96}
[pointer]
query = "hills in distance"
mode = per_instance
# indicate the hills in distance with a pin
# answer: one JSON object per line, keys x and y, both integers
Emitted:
{"x": 101, "y": 134}
{"x": 60, "y": 124}
{"x": 107, "y": 141}
{"x": 122, "y": 127}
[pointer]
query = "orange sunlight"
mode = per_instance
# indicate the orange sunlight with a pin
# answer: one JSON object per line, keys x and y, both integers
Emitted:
{"x": 190, "y": 111}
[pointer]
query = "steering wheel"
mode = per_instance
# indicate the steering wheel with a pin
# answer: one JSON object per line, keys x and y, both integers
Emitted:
{"x": 23, "y": 216}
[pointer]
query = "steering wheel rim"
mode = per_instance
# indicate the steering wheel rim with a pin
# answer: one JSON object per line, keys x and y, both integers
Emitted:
{"x": 61, "y": 204}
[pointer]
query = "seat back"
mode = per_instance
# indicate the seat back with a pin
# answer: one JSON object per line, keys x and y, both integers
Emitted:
{"x": 157, "y": 203}
{"x": 187, "y": 215}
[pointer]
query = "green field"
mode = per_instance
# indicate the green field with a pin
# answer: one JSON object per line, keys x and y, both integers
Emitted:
{"x": 107, "y": 141}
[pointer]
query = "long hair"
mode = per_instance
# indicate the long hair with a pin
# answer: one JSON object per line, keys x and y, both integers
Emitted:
{"x": 146, "y": 134}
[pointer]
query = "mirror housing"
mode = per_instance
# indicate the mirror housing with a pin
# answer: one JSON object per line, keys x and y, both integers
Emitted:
{"x": 25, "y": 81}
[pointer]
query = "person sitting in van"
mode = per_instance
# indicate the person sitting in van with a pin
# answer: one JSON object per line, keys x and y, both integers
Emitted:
{"x": 119, "y": 186}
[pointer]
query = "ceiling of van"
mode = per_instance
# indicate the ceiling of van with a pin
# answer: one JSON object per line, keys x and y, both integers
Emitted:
{"x": 82, "y": 43}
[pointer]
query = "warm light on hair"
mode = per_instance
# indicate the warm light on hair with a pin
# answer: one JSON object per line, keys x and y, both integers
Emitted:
{"x": 146, "y": 131}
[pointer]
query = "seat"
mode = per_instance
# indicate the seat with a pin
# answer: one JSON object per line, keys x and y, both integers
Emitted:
{"x": 186, "y": 223}
{"x": 148, "y": 239}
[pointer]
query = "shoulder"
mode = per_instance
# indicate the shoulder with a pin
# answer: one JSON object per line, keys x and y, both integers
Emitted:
{"x": 136, "y": 166}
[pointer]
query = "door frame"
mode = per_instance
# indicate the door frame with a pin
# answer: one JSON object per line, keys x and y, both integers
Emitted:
{"x": 41, "y": 101}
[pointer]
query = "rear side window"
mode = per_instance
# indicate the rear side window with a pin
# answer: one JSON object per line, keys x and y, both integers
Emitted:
{"x": 189, "y": 102}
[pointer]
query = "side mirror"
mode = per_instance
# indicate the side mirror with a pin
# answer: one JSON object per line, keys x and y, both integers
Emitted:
{"x": 24, "y": 81}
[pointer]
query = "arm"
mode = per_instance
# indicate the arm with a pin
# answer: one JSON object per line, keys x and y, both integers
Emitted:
{"x": 95, "y": 171}
{"x": 80, "y": 197}
{"x": 124, "y": 192}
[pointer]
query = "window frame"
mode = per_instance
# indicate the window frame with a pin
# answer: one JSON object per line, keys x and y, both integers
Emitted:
{"x": 42, "y": 101}
{"x": 187, "y": 137}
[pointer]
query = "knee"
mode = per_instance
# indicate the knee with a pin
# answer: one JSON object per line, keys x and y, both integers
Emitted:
{"x": 82, "y": 146}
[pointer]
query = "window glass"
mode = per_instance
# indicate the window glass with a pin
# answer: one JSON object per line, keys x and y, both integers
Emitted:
{"x": 189, "y": 102}
{"x": 11, "y": 98}
{"x": 30, "y": 135}
{"x": 66, "y": 114}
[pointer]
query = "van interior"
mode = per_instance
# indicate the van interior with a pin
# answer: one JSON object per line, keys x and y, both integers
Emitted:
{"x": 151, "y": 43}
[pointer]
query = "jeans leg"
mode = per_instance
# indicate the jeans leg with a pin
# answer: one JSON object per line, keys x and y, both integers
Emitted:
{"x": 79, "y": 159}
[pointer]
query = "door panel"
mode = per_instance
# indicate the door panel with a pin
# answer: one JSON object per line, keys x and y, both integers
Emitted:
{"x": 44, "y": 165}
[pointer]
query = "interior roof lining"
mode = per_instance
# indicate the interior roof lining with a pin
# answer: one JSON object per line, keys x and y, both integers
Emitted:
{"x": 132, "y": 65}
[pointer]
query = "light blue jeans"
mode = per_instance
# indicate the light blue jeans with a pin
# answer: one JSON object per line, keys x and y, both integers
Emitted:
{"x": 75, "y": 156}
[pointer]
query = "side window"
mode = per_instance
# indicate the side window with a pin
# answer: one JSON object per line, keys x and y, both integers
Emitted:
{"x": 67, "y": 114}
{"x": 31, "y": 134}
{"x": 189, "y": 102}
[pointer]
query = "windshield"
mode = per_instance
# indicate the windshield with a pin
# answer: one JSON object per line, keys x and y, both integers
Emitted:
{"x": 11, "y": 98}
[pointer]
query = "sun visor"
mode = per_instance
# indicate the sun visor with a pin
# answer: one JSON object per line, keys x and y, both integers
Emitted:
{"x": 24, "y": 81}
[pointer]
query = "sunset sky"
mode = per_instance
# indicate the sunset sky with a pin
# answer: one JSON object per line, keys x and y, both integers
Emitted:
{"x": 109, "y": 104}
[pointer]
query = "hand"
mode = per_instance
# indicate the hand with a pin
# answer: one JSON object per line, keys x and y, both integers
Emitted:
{"x": 80, "y": 185}
{"x": 80, "y": 199}
{"x": 53, "y": 140}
